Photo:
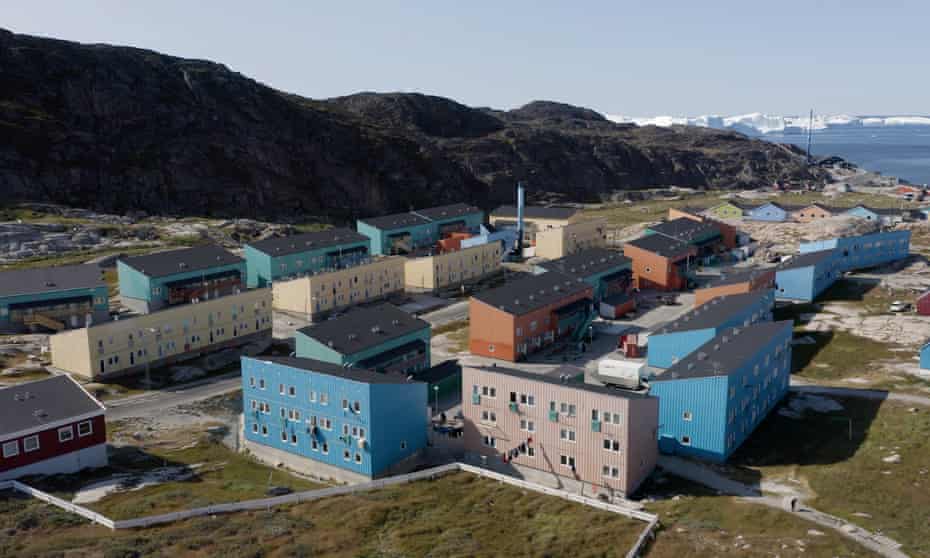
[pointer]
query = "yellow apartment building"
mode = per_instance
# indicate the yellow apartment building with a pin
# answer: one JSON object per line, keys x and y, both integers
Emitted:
{"x": 574, "y": 237}
{"x": 316, "y": 295}
{"x": 430, "y": 273}
{"x": 174, "y": 334}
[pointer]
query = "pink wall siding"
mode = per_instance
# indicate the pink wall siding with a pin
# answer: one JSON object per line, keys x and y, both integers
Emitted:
{"x": 638, "y": 450}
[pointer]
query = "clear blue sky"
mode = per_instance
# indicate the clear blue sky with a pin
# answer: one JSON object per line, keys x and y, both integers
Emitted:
{"x": 621, "y": 57}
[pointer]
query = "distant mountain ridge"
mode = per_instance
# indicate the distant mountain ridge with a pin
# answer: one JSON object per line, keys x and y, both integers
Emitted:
{"x": 116, "y": 129}
{"x": 758, "y": 123}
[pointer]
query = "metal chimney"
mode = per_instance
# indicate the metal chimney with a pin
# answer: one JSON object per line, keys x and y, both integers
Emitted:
{"x": 521, "y": 200}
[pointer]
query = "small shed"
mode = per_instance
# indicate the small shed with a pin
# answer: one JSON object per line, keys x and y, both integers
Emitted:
{"x": 923, "y": 304}
{"x": 925, "y": 357}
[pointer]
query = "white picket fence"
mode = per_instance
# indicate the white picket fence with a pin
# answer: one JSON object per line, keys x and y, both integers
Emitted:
{"x": 308, "y": 496}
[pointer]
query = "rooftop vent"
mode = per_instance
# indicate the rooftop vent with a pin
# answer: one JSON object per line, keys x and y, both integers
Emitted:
{"x": 395, "y": 322}
{"x": 716, "y": 346}
{"x": 49, "y": 283}
{"x": 40, "y": 413}
{"x": 690, "y": 366}
{"x": 724, "y": 339}
{"x": 702, "y": 356}
{"x": 352, "y": 336}
{"x": 182, "y": 265}
{"x": 330, "y": 343}
{"x": 376, "y": 329}
{"x": 24, "y": 396}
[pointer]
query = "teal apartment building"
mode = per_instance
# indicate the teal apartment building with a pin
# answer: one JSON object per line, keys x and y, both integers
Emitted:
{"x": 382, "y": 338}
{"x": 301, "y": 254}
{"x": 52, "y": 298}
{"x": 154, "y": 281}
{"x": 404, "y": 233}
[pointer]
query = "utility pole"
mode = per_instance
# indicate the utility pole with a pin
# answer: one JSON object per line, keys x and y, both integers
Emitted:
{"x": 810, "y": 134}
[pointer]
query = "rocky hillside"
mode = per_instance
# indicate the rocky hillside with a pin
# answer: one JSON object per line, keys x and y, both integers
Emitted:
{"x": 118, "y": 129}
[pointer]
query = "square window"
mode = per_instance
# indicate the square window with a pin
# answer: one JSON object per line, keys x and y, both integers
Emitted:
{"x": 686, "y": 416}
{"x": 686, "y": 440}
{"x": 10, "y": 449}
{"x": 403, "y": 444}
{"x": 30, "y": 444}
{"x": 65, "y": 434}
{"x": 314, "y": 445}
{"x": 358, "y": 457}
{"x": 85, "y": 428}
{"x": 255, "y": 428}
{"x": 264, "y": 430}
{"x": 346, "y": 455}
{"x": 292, "y": 391}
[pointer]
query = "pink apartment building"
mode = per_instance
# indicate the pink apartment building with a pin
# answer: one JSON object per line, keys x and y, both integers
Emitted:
{"x": 555, "y": 430}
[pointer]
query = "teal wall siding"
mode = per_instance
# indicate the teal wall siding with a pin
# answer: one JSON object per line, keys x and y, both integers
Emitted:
{"x": 376, "y": 246}
{"x": 421, "y": 235}
{"x": 99, "y": 296}
{"x": 132, "y": 283}
{"x": 264, "y": 268}
{"x": 307, "y": 347}
{"x": 258, "y": 267}
{"x": 399, "y": 421}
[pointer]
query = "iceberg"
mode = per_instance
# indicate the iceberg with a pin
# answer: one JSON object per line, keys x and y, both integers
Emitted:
{"x": 758, "y": 123}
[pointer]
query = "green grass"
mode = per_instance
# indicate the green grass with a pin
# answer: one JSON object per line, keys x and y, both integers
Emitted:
{"x": 455, "y": 516}
{"x": 846, "y": 476}
{"x": 703, "y": 524}
{"x": 75, "y": 257}
{"x": 450, "y": 327}
{"x": 226, "y": 477}
{"x": 459, "y": 339}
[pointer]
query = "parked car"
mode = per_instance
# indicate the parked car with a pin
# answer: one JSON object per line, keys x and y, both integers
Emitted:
{"x": 900, "y": 306}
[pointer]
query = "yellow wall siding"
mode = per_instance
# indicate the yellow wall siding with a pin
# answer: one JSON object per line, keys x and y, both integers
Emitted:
{"x": 452, "y": 268}
{"x": 574, "y": 237}
{"x": 166, "y": 334}
{"x": 323, "y": 292}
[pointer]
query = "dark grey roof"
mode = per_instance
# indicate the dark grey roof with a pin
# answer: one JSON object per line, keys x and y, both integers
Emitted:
{"x": 877, "y": 210}
{"x": 531, "y": 293}
{"x": 35, "y": 404}
{"x": 723, "y": 354}
{"x": 804, "y": 260}
{"x": 420, "y": 216}
{"x": 588, "y": 262}
{"x": 782, "y": 206}
{"x": 714, "y": 312}
{"x": 281, "y": 246}
{"x": 684, "y": 229}
{"x": 161, "y": 264}
{"x": 444, "y": 212}
{"x": 691, "y": 209}
{"x": 39, "y": 280}
{"x": 363, "y": 328}
{"x": 745, "y": 206}
{"x": 741, "y": 276}
{"x": 329, "y": 369}
{"x": 661, "y": 245}
{"x": 438, "y": 372}
{"x": 555, "y": 378}
{"x": 394, "y": 221}
{"x": 536, "y": 212}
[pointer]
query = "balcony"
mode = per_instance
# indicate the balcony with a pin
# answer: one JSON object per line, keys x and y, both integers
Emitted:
{"x": 553, "y": 416}
{"x": 514, "y": 407}
{"x": 202, "y": 289}
{"x": 475, "y": 399}
{"x": 595, "y": 426}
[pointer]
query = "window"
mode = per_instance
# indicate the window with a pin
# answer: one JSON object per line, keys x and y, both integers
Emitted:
{"x": 283, "y": 436}
{"x": 488, "y": 416}
{"x": 403, "y": 444}
{"x": 345, "y": 429}
{"x": 345, "y": 404}
{"x": 594, "y": 415}
{"x": 65, "y": 434}
{"x": 686, "y": 440}
{"x": 567, "y": 434}
{"x": 85, "y": 428}
{"x": 615, "y": 419}
{"x": 251, "y": 381}
{"x": 324, "y": 398}
{"x": 687, "y": 416}
{"x": 261, "y": 383}
{"x": 567, "y": 461}
{"x": 346, "y": 455}
{"x": 283, "y": 412}
{"x": 314, "y": 445}
{"x": 313, "y": 396}
{"x": 530, "y": 451}
{"x": 357, "y": 406}
{"x": 612, "y": 445}
{"x": 490, "y": 348}
{"x": 30, "y": 444}
{"x": 489, "y": 441}
{"x": 264, "y": 430}
{"x": 254, "y": 428}
{"x": 527, "y": 425}
{"x": 10, "y": 449}
{"x": 610, "y": 472}
{"x": 292, "y": 391}
{"x": 568, "y": 409}
{"x": 358, "y": 458}
{"x": 325, "y": 448}
{"x": 294, "y": 439}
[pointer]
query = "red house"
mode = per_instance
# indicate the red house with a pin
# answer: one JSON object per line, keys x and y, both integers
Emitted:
{"x": 923, "y": 304}
{"x": 50, "y": 427}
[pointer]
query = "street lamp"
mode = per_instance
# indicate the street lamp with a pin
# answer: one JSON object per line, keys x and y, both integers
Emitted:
{"x": 436, "y": 391}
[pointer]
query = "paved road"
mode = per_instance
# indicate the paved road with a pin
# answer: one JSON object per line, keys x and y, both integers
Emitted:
{"x": 154, "y": 403}
{"x": 803, "y": 387}
{"x": 452, "y": 313}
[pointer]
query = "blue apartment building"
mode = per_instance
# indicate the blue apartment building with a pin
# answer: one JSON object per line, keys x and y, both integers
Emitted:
{"x": 301, "y": 254}
{"x": 381, "y": 337}
{"x": 802, "y": 278}
{"x": 863, "y": 251}
{"x": 676, "y": 340}
{"x": 404, "y": 233}
{"x": 154, "y": 281}
{"x": 346, "y": 423}
{"x": 52, "y": 298}
{"x": 713, "y": 399}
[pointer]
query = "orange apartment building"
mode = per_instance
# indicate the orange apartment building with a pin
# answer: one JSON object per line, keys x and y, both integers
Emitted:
{"x": 523, "y": 316}
{"x": 814, "y": 212}
{"x": 660, "y": 262}
{"x": 736, "y": 283}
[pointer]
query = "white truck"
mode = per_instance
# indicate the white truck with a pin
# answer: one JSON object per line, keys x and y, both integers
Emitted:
{"x": 614, "y": 370}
